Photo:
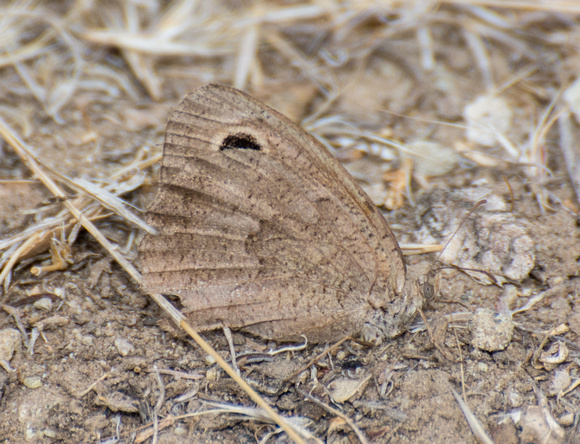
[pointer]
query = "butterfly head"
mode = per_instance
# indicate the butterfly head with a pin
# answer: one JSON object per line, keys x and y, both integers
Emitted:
{"x": 421, "y": 286}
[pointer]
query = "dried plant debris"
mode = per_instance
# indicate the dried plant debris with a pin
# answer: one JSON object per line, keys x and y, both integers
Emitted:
{"x": 490, "y": 238}
{"x": 432, "y": 108}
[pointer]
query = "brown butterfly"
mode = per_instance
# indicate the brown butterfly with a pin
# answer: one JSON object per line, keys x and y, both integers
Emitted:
{"x": 262, "y": 230}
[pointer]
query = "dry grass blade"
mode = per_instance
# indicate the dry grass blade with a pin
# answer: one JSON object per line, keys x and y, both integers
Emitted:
{"x": 42, "y": 232}
{"x": 179, "y": 319}
{"x": 317, "y": 74}
{"x": 540, "y": 296}
{"x": 298, "y": 423}
{"x": 17, "y": 253}
{"x": 243, "y": 384}
{"x": 246, "y": 412}
{"x": 475, "y": 425}
{"x": 246, "y": 58}
{"x": 570, "y": 153}
{"x": 410, "y": 249}
{"x": 558, "y": 5}
{"x": 111, "y": 201}
{"x": 24, "y": 153}
{"x": 37, "y": 238}
{"x": 60, "y": 93}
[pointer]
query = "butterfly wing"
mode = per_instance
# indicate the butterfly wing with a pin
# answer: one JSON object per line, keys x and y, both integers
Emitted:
{"x": 261, "y": 228}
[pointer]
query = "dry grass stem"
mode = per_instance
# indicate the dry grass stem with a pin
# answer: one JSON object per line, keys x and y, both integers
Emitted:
{"x": 475, "y": 425}
{"x": 36, "y": 238}
{"x": 431, "y": 106}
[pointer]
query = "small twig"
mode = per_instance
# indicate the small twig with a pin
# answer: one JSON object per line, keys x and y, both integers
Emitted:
{"x": 289, "y": 348}
{"x": 460, "y": 363}
{"x": 316, "y": 359}
{"x": 362, "y": 438}
{"x": 92, "y": 386}
{"x": 474, "y": 424}
{"x": 230, "y": 339}
{"x": 540, "y": 296}
{"x": 411, "y": 249}
{"x": 176, "y": 374}
{"x": 158, "y": 406}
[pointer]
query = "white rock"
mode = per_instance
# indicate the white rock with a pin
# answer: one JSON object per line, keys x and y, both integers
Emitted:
{"x": 125, "y": 347}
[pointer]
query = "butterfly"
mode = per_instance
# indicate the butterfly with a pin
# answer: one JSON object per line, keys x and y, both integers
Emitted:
{"x": 261, "y": 229}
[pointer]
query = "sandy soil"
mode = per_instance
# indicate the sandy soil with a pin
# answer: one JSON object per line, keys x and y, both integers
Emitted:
{"x": 87, "y": 357}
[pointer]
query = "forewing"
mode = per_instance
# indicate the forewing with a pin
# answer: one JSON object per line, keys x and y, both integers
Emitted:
{"x": 261, "y": 228}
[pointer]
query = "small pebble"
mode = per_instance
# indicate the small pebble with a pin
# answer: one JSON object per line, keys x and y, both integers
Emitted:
{"x": 566, "y": 419}
{"x": 44, "y": 304}
{"x": 212, "y": 374}
{"x": 32, "y": 382}
{"x": 125, "y": 347}
{"x": 491, "y": 331}
{"x": 482, "y": 367}
{"x": 49, "y": 433}
{"x": 9, "y": 341}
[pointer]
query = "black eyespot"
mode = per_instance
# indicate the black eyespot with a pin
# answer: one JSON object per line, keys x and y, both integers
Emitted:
{"x": 240, "y": 141}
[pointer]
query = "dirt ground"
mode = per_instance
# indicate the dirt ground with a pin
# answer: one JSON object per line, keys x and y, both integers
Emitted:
{"x": 454, "y": 104}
